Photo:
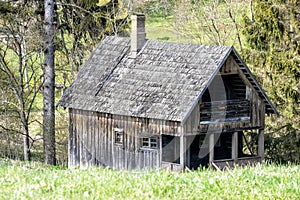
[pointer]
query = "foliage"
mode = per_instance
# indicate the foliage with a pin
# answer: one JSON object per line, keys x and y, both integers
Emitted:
{"x": 20, "y": 71}
{"x": 82, "y": 24}
{"x": 211, "y": 22}
{"x": 154, "y": 8}
{"x": 273, "y": 52}
{"x": 79, "y": 27}
{"x": 34, "y": 180}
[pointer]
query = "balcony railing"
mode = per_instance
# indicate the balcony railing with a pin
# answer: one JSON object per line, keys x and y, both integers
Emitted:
{"x": 230, "y": 163}
{"x": 224, "y": 111}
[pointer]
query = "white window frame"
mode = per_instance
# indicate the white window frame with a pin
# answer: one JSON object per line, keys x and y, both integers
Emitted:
{"x": 118, "y": 136}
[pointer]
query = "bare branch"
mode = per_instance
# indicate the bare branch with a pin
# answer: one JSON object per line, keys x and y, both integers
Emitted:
{"x": 75, "y": 6}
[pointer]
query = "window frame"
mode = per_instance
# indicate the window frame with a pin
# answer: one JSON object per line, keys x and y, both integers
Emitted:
{"x": 118, "y": 136}
{"x": 149, "y": 142}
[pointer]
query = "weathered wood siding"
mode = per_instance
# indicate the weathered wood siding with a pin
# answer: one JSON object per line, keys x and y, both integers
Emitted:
{"x": 244, "y": 90}
{"x": 191, "y": 127}
{"x": 230, "y": 66}
{"x": 257, "y": 105}
{"x": 257, "y": 108}
{"x": 91, "y": 140}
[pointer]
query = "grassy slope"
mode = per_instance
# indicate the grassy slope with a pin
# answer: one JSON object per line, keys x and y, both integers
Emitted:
{"x": 161, "y": 29}
{"x": 35, "y": 181}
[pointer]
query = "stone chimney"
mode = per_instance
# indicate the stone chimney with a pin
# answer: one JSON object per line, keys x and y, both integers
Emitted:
{"x": 138, "y": 35}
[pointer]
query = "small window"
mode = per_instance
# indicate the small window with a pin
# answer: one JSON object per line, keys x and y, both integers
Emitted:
{"x": 119, "y": 136}
{"x": 149, "y": 142}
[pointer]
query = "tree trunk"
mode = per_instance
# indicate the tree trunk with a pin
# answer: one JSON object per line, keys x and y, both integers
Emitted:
{"x": 49, "y": 81}
{"x": 27, "y": 154}
{"x": 251, "y": 11}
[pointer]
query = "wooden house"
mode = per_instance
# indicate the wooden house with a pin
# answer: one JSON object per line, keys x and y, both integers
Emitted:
{"x": 139, "y": 103}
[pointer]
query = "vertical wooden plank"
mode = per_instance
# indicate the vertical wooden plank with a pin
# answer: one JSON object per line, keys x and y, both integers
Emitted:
{"x": 79, "y": 129}
{"x": 97, "y": 138}
{"x": 262, "y": 115}
{"x": 160, "y": 150}
{"x": 182, "y": 148}
{"x": 101, "y": 136}
{"x": 188, "y": 142}
{"x": 211, "y": 147}
{"x": 93, "y": 139}
{"x": 261, "y": 141}
{"x": 80, "y": 137}
{"x": 106, "y": 142}
{"x": 126, "y": 148}
{"x": 88, "y": 138}
{"x": 70, "y": 140}
{"x": 257, "y": 110}
{"x": 234, "y": 149}
{"x": 85, "y": 137}
{"x": 137, "y": 144}
{"x": 115, "y": 152}
{"x": 77, "y": 143}
{"x": 110, "y": 141}
{"x": 104, "y": 139}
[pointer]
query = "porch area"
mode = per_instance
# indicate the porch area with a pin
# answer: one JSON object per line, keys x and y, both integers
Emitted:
{"x": 225, "y": 150}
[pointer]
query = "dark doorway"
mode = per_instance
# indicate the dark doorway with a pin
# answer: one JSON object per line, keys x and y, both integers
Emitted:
{"x": 223, "y": 146}
{"x": 199, "y": 152}
{"x": 170, "y": 149}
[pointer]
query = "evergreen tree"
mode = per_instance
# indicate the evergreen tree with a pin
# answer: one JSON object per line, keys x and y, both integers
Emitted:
{"x": 274, "y": 55}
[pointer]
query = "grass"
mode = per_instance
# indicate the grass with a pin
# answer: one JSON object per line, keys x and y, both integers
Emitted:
{"x": 20, "y": 180}
{"x": 161, "y": 29}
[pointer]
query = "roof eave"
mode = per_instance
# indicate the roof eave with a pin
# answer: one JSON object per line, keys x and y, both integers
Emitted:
{"x": 256, "y": 83}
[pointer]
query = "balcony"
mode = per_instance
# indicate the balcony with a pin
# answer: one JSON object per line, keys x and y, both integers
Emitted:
{"x": 229, "y": 114}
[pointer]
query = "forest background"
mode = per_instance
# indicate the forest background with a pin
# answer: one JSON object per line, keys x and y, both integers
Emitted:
{"x": 266, "y": 34}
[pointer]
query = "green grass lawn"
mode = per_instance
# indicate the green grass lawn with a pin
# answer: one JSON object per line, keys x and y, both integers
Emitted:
{"x": 36, "y": 181}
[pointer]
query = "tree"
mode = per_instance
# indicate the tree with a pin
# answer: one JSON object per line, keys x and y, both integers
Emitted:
{"x": 79, "y": 27}
{"x": 273, "y": 52}
{"x": 49, "y": 85}
{"x": 82, "y": 24}
{"x": 209, "y": 22}
{"x": 19, "y": 67}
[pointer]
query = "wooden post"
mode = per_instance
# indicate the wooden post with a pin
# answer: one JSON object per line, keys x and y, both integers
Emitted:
{"x": 261, "y": 143}
{"x": 182, "y": 150}
{"x": 160, "y": 150}
{"x": 234, "y": 149}
{"x": 211, "y": 145}
{"x": 187, "y": 154}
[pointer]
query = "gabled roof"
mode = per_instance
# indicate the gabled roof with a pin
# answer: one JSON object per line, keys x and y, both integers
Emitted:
{"x": 165, "y": 81}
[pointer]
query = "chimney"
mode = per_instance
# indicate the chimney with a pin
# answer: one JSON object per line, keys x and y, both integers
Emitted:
{"x": 138, "y": 35}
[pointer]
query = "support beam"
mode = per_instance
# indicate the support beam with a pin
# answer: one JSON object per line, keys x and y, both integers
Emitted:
{"x": 160, "y": 150}
{"x": 261, "y": 143}
{"x": 234, "y": 149}
{"x": 188, "y": 140}
{"x": 182, "y": 150}
{"x": 211, "y": 148}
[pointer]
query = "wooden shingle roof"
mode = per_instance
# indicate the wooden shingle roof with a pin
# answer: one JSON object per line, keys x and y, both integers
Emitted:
{"x": 163, "y": 82}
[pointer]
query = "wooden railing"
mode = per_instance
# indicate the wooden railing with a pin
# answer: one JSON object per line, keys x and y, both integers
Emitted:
{"x": 224, "y": 111}
{"x": 229, "y": 163}
{"x": 171, "y": 166}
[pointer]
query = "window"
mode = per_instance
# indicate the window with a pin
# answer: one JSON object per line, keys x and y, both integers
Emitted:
{"x": 119, "y": 136}
{"x": 149, "y": 142}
